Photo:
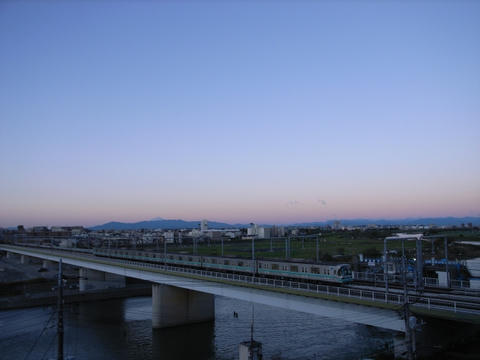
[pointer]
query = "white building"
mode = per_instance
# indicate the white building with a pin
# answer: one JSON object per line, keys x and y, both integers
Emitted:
{"x": 195, "y": 233}
{"x": 169, "y": 237}
{"x": 204, "y": 225}
{"x": 258, "y": 231}
{"x": 263, "y": 233}
{"x": 252, "y": 230}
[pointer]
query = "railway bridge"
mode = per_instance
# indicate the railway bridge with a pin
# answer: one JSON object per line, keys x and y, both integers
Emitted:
{"x": 182, "y": 295}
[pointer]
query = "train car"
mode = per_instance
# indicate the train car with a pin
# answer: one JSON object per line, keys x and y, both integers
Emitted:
{"x": 228, "y": 264}
{"x": 338, "y": 273}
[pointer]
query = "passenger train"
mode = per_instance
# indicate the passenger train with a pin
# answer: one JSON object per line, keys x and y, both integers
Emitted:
{"x": 337, "y": 273}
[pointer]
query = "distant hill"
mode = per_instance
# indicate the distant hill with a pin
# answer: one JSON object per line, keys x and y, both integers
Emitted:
{"x": 182, "y": 224}
{"x": 440, "y": 221}
{"x": 159, "y": 224}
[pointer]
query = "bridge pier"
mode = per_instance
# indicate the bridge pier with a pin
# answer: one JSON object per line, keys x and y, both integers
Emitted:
{"x": 95, "y": 280}
{"x": 173, "y": 306}
{"x": 50, "y": 265}
{"x": 24, "y": 259}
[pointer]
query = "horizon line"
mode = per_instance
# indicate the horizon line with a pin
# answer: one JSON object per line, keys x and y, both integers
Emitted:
{"x": 262, "y": 223}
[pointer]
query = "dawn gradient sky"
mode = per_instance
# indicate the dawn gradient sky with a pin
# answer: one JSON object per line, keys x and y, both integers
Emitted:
{"x": 241, "y": 111}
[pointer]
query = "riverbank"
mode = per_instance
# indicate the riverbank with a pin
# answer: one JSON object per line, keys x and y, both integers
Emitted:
{"x": 24, "y": 286}
{"x": 73, "y": 296}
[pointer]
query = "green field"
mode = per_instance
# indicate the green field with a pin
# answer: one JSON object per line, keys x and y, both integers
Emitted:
{"x": 341, "y": 245}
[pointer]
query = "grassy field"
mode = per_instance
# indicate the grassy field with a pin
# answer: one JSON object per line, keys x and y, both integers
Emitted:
{"x": 299, "y": 248}
{"x": 335, "y": 244}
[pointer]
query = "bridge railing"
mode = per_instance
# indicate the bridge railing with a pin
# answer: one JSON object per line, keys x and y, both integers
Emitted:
{"x": 330, "y": 290}
{"x": 392, "y": 278}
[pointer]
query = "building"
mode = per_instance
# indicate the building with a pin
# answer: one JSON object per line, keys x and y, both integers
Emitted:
{"x": 263, "y": 233}
{"x": 259, "y": 232}
{"x": 277, "y": 231}
{"x": 252, "y": 230}
{"x": 204, "y": 225}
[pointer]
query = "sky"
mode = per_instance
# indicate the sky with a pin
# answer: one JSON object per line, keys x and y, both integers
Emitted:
{"x": 238, "y": 111}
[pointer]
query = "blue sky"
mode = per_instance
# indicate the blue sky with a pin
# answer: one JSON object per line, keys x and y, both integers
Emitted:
{"x": 238, "y": 111}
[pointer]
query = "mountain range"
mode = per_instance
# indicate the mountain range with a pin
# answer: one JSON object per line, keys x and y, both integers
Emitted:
{"x": 159, "y": 223}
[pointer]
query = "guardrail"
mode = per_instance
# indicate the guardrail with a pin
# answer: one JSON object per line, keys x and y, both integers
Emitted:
{"x": 392, "y": 278}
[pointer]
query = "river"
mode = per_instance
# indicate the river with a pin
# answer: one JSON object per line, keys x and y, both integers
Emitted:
{"x": 121, "y": 329}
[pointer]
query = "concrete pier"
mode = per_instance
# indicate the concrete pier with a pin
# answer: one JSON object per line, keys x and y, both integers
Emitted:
{"x": 94, "y": 280}
{"x": 50, "y": 265}
{"x": 173, "y": 306}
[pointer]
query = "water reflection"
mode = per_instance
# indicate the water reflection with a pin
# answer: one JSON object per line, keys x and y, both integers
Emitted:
{"x": 184, "y": 342}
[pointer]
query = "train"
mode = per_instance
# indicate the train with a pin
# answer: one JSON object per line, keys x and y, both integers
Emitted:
{"x": 324, "y": 272}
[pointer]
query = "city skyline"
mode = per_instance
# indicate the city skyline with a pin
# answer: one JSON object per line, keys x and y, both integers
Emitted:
{"x": 238, "y": 112}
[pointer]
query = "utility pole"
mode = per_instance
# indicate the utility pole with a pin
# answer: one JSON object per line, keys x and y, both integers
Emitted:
{"x": 406, "y": 312}
{"x": 253, "y": 248}
{"x": 446, "y": 262}
{"x": 165, "y": 251}
{"x": 317, "y": 250}
{"x": 385, "y": 266}
{"x": 433, "y": 253}
{"x": 60, "y": 313}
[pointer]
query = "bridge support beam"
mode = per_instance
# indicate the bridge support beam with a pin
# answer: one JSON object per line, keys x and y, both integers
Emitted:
{"x": 173, "y": 306}
{"x": 95, "y": 280}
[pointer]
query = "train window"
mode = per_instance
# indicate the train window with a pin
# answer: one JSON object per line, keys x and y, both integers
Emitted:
{"x": 170, "y": 257}
{"x": 190, "y": 259}
{"x": 314, "y": 270}
{"x": 274, "y": 266}
{"x": 294, "y": 268}
{"x": 213, "y": 261}
{"x": 180, "y": 258}
{"x": 240, "y": 263}
{"x": 285, "y": 267}
{"x": 226, "y": 262}
{"x": 154, "y": 256}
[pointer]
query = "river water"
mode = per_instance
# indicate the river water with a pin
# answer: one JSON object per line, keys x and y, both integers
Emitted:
{"x": 121, "y": 329}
